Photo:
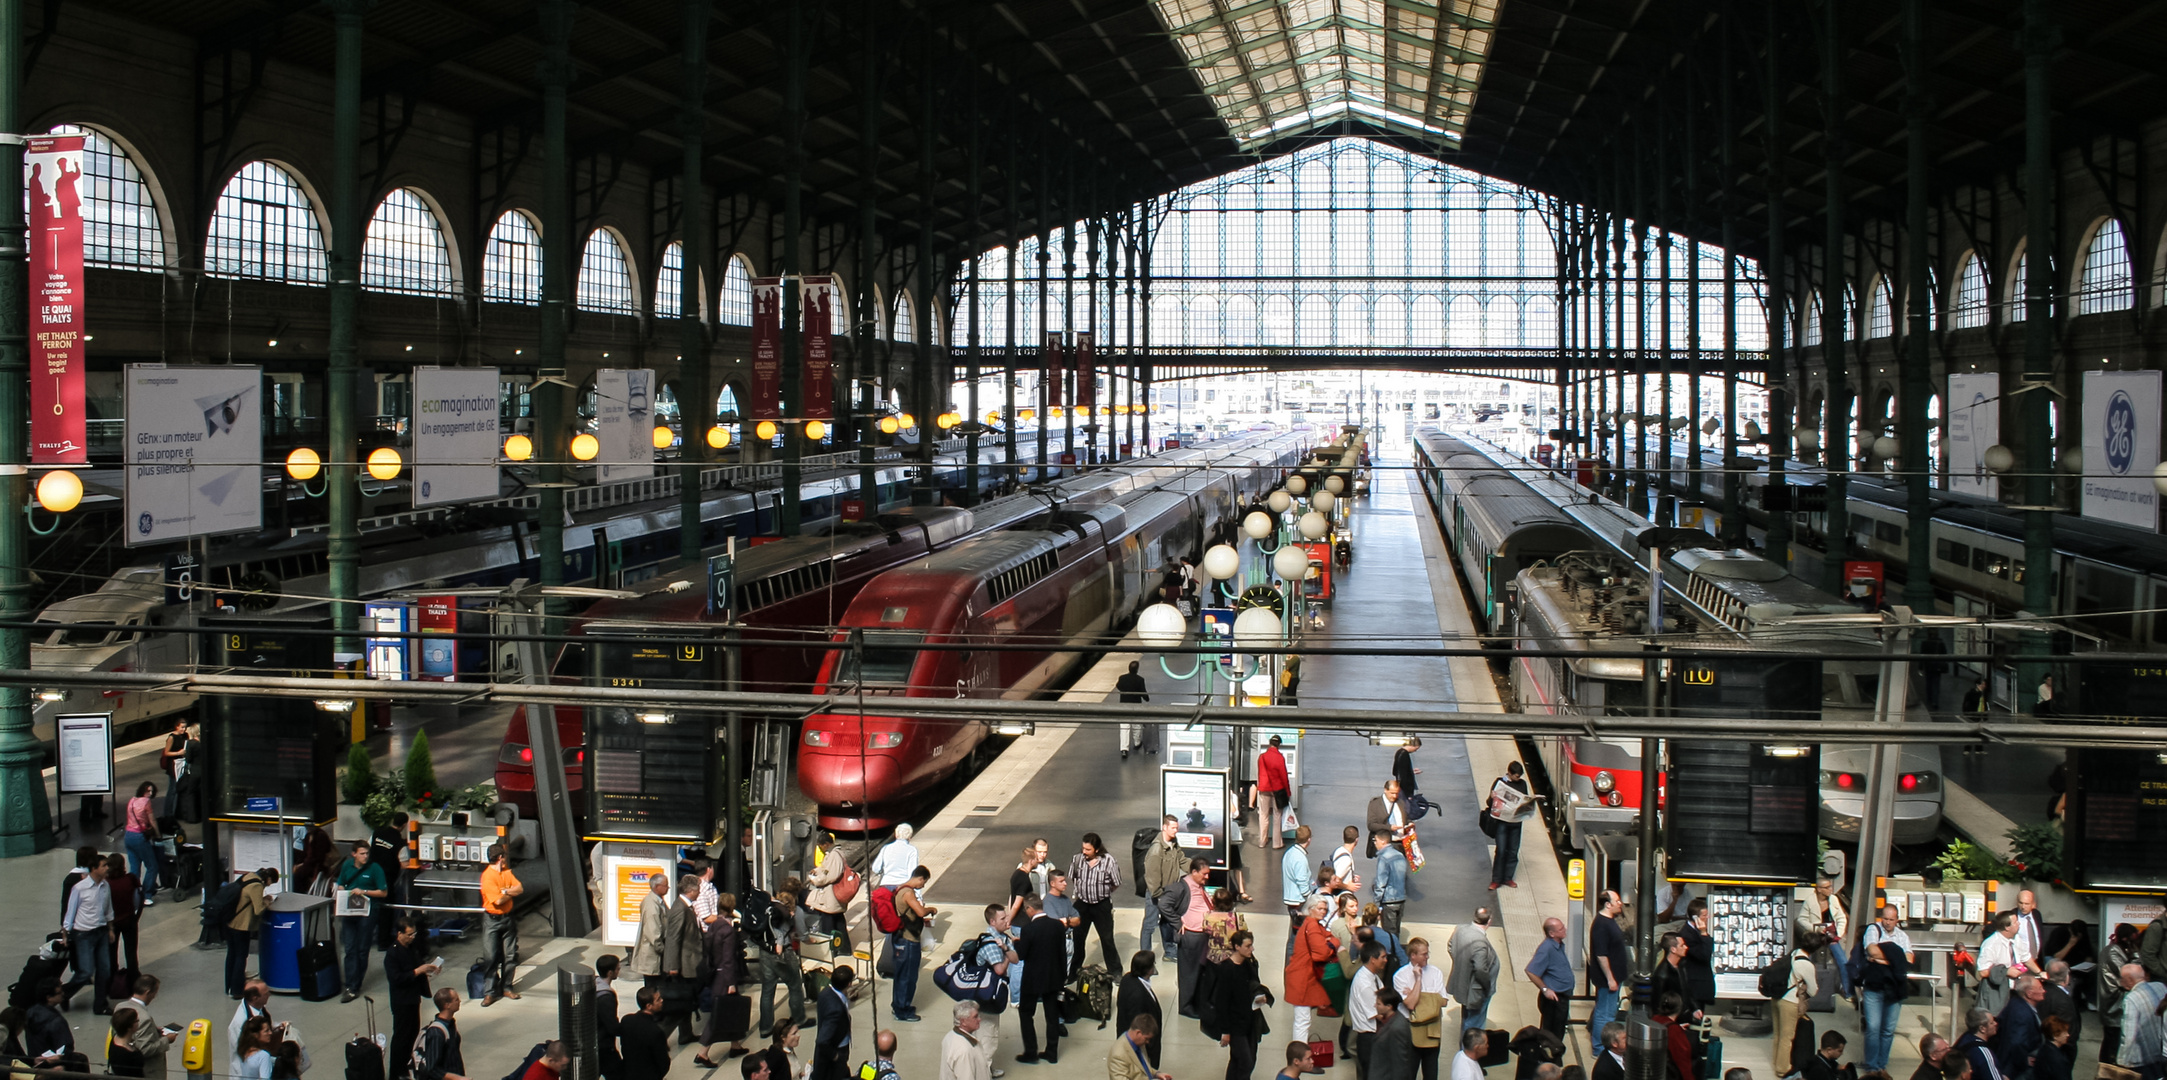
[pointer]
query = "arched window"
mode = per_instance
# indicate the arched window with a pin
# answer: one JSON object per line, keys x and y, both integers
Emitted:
{"x": 905, "y": 321}
{"x": 605, "y": 278}
{"x": 121, "y": 228}
{"x": 737, "y": 292}
{"x": 1811, "y": 335}
{"x": 2017, "y": 307}
{"x": 1969, "y": 309}
{"x": 404, "y": 251}
{"x": 2106, "y": 284}
{"x": 264, "y": 227}
{"x": 1880, "y": 311}
{"x": 841, "y": 323}
{"x": 512, "y": 263}
{"x": 670, "y": 285}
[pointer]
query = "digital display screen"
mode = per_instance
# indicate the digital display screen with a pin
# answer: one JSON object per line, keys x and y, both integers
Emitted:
{"x": 2117, "y": 809}
{"x": 1746, "y": 688}
{"x": 262, "y": 746}
{"x": 654, "y": 772}
{"x": 1713, "y": 787}
{"x": 2133, "y": 693}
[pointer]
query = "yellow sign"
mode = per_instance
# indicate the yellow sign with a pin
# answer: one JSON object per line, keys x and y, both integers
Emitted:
{"x": 630, "y": 878}
{"x": 1576, "y": 879}
{"x": 1699, "y": 676}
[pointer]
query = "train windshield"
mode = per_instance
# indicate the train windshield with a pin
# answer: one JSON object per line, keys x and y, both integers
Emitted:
{"x": 78, "y": 636}
{"x": 888, "y": 656}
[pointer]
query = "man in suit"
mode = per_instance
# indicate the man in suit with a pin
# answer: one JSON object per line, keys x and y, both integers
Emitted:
{"x": 1611, "y": 1066}
{"x": 2031, "y": 932}
{"x": 831, "y": 1040}
{"x": 1933, "y": 1051}
{"x": 1125, "y": 1058}
{"x": 1136, "y": 997}
{"x": 1474, "y": 969}
{"x": 1044, "y": 950}
{"x": 2059, "y": 1001}
{"x": 1823, "y": 1065}
{"x": 2019, "y": 1028}
{"x": 1386, "y": 814}
{"x": 641, "y": 1041}
{"x": 1392, "y": 1053}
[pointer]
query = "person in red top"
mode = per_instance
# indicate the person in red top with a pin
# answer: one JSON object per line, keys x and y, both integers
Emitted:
{"x": 500, "y": 938}
{"x": 1270, "y": 796}
{"x": 1680, "y": 1045}
{"x": 551, "y": 1064}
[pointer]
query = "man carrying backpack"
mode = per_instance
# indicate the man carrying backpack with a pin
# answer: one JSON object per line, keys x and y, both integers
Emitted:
{"x": 436, "y": 1053}
{"x": 241, "y": 912}
{"x": 1790, "y": 983}
{"x": 990, "y": 956}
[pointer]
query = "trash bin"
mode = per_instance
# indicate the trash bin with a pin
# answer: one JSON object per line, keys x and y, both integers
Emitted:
{"x": 293, "y": 921}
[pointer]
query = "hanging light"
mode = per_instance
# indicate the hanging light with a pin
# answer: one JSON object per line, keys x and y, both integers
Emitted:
{"x": 516, "y": 448}
{"x": 1886, "y": 447}
{"x": 949, "y": 420}
{"x": 1314, "y": 526}
{"x": 663, "y": 437}
{"x": 1296, "y": 485}
{"x": 1257, "y": 525}
{"x": 1279, "y": 501}
{"x": 1999, "y": 458}
{"x": 765, "y": 429}
{"x": 993, "y": 416}
{"x": 1222, "y": 562}
{"x": 889, "y": 426}
{"x": 585, "y": 446}
{"x": 383, "y": 463}
{"x": 1323, "y": 501}
{"x": 1161, "y": 626}
{"x": 60, "y": 491}
{"x": 2073, "y": 461}
{"x": 907, "y": 420}
{"x": 718, "y": 437}
{"x": 1334, "y": 484}
{"x": 816, "y": 430}
{"x": 1291, "y": 563}
{"x": 302, "y": 464}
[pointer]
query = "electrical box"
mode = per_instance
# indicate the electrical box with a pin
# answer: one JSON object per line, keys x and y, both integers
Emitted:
{"x": 1974, "y": 907}
{"x": 1917, "y": 908}
{"x": 1936, "y": 906}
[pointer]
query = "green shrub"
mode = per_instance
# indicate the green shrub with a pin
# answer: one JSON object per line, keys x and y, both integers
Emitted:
{"x": 2035, "y": 851}
{"x": 359, "y": 780}
{"x": 480, "y": 796}
{"x": 377, "y": 810}
{"x": 1969, "y": 861}
{"x": 421, "y": 774}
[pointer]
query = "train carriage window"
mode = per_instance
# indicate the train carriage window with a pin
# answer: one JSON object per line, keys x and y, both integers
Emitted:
{"x": 2104, "y": 599}
{"x": 1888, "y": 532}
{"x": 1949, "y": 551}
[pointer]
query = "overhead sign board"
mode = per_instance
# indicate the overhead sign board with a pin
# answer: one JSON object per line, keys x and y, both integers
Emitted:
{"x": 624, "y": 423}
{"x": 2121, "y": 447}
{"x": 1974, "y": 425}
{"x": 193, "y": 444}
{"x": 455, "y": 435}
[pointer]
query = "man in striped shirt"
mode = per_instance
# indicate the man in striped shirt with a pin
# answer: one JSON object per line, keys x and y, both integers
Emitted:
{"x": 1093, "y": 875}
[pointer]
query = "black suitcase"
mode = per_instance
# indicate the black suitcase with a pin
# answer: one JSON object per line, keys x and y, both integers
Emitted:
{"x": 364, "y": 1059}
{"x": 733, "y": 1017}
{"x": 319, "y": 963}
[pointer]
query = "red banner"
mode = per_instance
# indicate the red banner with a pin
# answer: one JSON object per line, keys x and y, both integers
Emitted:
{"x": 818, "y": 392}
{"x": 1055, "y": 382}
{"x": 767, "y": 349}
{"x": 1087, "y": 384}
{"x": 58, "y": 435}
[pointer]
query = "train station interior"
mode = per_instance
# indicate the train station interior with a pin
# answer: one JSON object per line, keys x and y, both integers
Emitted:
{"x": 669, "y": 436}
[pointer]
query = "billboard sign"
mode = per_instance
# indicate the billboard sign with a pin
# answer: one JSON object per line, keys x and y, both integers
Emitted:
{"x": 54, "y": 165}
{"x": 624, "y": 423}
{"x": 2121, "y": 447}
{"x": 455, "y": 435}
{"x": 193, "y": 443}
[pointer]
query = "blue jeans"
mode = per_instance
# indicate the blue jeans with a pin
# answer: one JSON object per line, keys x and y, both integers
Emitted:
{"x": 1606, "y": 1010}
{"x": 1879, "y": 1015}
{"x": 356, "y": 934}
{"x": 1475, "y": 1018}
{"x": 1843, "y": 968}
{"x": 906, "y": 977}
{"x": 1153, "y": 922}
{"x": 1507, "y": 862}
{"x": 93, "y": 962}
{"x": 142, "y": 860}
{"x": 786, "y": 970}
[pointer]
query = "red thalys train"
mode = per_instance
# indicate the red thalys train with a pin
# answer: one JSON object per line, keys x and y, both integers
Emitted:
{"x": 1060, "y": 588}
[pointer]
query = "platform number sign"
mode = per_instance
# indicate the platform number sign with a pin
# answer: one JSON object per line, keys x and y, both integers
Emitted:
{"x": 721, "y": 579}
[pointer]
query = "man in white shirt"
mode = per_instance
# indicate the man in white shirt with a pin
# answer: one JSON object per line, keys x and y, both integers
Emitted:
{"x": 1362, "y": 1005}
{"x": 256, "y": 1001}
{"x": 893, "y": 866}
{"x": 88, "y": 921}
{"x": 1467, "y": 1064}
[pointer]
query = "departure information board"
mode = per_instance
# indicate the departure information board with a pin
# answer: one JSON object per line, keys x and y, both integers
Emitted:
{"x": 273, "y": 746}
{"x": 2117, "y": 811}
{"x": 654, "y": 772}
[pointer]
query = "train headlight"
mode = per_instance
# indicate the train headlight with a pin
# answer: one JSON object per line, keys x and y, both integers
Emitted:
{"x": 1918, "y": 783}
{"x": 1605, "y": 783}
{"x": 884, "y": 740}
{"x": 1614, "y": 799}
{"x": 50, "y": 696}
{"x": 817, "y": 738}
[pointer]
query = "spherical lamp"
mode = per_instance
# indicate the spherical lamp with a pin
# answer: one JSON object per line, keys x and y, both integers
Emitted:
{"x": 1314, "y": 526}
{"x": 1257, "y": 628}
{"x": 1222, "y": 562}
{"x": 816, "y": 430}
{"x": 302, "y": 464}
{"x": 1257, "y": 525}
{"x": 889, "y": 425}
{"x": 1999, "y": 458}
{"x": 1334, "y": 484}
{"x": 663, "y": 437}
{"x": 765, "y": 429}
{"x": 1709, "y": 426}
{"x": 1886, "y": 447}
{"x": 585, "y": 446}
{"x": 2073, "y": 461}
{"x": 1809, "y": 441}
{"x": 1161, "y": 626}
{"x": 718, "y": 437}
{"x": 1323, "y": 501}
{"x": 1279, "y": 501}
{"x": 61, "y": 490}
{"x": 1297, "y": 484}
{"x": 520, "y": 447}
{"x": 907, "y": 420}
{"x": 1291, "y": 563}
{"x": 2159, "y": 477}
{"x": 383, "y": 463}
{"x": 1753, "y": 431}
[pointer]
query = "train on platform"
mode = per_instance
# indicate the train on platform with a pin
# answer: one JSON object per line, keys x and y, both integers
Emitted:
{"x": 789, "y": 593}
{"x": 1592, "y": 596}
{"x": 1046, "y": 594}
{"x": 141, "y": 612}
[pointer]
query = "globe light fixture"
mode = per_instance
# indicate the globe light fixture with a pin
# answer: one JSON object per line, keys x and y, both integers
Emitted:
{"x": 766, "y": 430}
{"x": 816, "y": 430}
{"x": 1886, "y": 447}
{"x": 585, "y": 446}
{"x": 1257, "y": 628}
{"x": 1809, "y": 442}
{"x": 663, "y": 437}
{"x": 1291, "y": 563}
{"x": 1322, "y": 501}
{"x": 888, "y": 425}
{"x": 1161, "y": 626}
{"x": 2073, "y": 461}
{"x": 1296, "y": 485}
{"x": 1279, "y": 501}
{"x": 302, "y": 464}
{"x": 1999, "y": 458}
{"x": 1222, "y": 562}
{"x": 517, "y": 448}
{"x": 907, "y": 420}
{"x": 60, "y": 491}
{"x": 1257, "y": 525}
{"x": 1314, "y": 526}
{"x": 2159, "y": 477}
{"x": 1334, "y": 484}
{"x": 383, "y": 463}
{"x": 718, "y": 437}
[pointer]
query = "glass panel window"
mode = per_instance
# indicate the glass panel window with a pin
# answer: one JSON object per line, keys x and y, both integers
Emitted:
{"x": 1969, "y": 310}
{"x": 404, "y": 251}
{"x": 905, "y": 321}
{"x": 120, "y": 223}
{"x": 2106, "y": 284}
{"x": 1880, "y": 313}
{"x": 737, "y": 292}
{"x": 512, "y": 264}
{"x": 670, "y": 285}
{"x": 264, "y": 227}
{"x": 605, "y": 279}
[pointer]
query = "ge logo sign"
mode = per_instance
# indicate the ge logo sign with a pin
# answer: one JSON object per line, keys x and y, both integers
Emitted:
{"x": 2121, "y": 434}
{"x": 143, "y": 523}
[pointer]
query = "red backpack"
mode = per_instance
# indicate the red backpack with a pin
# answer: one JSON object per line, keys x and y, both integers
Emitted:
{"x": 885, "y": 917}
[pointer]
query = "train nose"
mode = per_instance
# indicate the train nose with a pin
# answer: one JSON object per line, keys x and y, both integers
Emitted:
{"x": 849, "y": 762}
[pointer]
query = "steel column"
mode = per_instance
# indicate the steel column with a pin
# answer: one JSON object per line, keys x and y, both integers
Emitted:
{"x": 928, "y": 412}
{"x": 865, "y": 347}
{"x": 1836, "y": 432}
{"x": 2041, "y": 37}
{"x": 1778, "y": 540}
{"x": 551, "y": 439}
{"x": 340, "y": 420}
{"x": 793, "y": 364}
{"x": 1917, "y": 365}
{"x": 1734, "y": 523}
{"x": 697, "y": 400}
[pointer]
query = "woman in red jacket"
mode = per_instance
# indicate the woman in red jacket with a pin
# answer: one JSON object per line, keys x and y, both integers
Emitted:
{"x": 1314, "y": 947}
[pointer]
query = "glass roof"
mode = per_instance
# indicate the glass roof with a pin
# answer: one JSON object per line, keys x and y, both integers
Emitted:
{"x": 1279, "y": 67}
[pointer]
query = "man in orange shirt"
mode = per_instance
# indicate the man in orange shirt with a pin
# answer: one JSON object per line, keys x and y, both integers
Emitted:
{"x": 500, "y": 937}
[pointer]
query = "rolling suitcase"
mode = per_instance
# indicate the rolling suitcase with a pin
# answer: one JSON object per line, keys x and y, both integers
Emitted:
{"x": 319, "y": 963}
{"x": 1711, "y": 1062}
{"x": 365, "y": 1053}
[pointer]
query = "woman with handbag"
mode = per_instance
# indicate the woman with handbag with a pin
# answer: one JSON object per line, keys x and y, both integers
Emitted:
{"x": 834, "y": 885}
{"x": 1221, "y": 924}
{"x": 730, "y": 1018}
{"x": 1315, "y": 951}
{"x": 141, "y": 839}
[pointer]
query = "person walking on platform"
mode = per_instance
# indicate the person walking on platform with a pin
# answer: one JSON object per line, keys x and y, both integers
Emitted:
{"x": 1474, "y": 968}
{"x": 1094, "y": 874}
{"x": 1313, "y": 948}
{"x": 1271, "y": 796}
{"x": 1044, "y": 951}
{"x": 1404, "y": 771}
{"x": 1297, "y": 882}
{"x": 1509, "y": 806}
{"x": 1238, "y": 999}
{"x": 831, "y": 1039}
{"x": 407, "y": 972}
{"x": 1552, "y": 975}
{"x": 1387, "y": 813}
{"x": 896, "y": 860}
{"x": 1134, "y": 691}
{"x": 1163, "y": 868}
{"x": 644, "y": 1042}
{"x": 1608, "y": 963}
{"x": 1389, "y": 888}
{"x": 500, "y": 932}
{"x": 87, "y": 920}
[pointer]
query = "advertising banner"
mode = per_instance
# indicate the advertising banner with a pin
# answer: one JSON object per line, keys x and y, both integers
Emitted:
{"x": 455, "y": 435}
{"x": 1087, "y": 387}
{"x": 192, "y": 443}
{"x": 817, "y": 393}
{"x": 767, "y": 350}
{"x": 1197, "y": 799}
{"x": 624, "y": 423}
{"x": 1974, "y": 424}
{"x": 2121, "y": 447}
{"x": 1055, "y": 383}
{"x": 625, "y": 873}
{"x": 83, "y": 753}
{"x": 58, "y": 435}
{"x": 438, "y": 615}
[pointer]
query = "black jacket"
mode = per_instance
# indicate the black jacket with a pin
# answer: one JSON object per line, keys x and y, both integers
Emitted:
{"x": 1668, "y": 976}
{"x": 45, "y": 1032}
{"x": 1819, "y": 1067}
{"x": 1133, "y": 691}
{"x": 1607, "y": 1068}
{"x": 399, "y": 964}
{"x": 834, "y": 1016}
{"x": 1132, "y": 999}
{"x": 2052, "y": 1063}
{"x": 2058, "y": 1002}
{"x": 606, "y": 1024}
{"x": 1699, "y": 967}
{"x": 644, "y": 1047}
{"x": 1226, "y": 990}
{"x": 1892, "y": 979}
{"x": 1044, "y": 952}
